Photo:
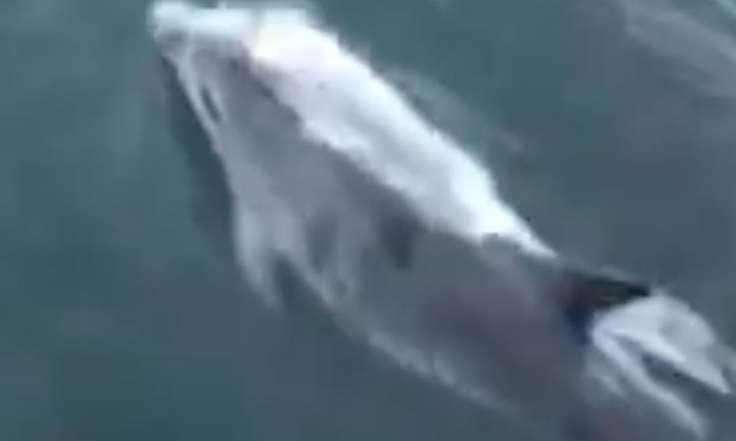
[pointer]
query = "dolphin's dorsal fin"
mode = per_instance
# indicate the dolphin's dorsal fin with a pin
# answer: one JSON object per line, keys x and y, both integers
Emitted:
{"x": 583, "y": 294}
{"x": 578, "y": 292}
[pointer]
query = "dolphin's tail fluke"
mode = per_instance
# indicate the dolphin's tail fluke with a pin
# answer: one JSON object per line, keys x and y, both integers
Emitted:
{"x": 657, "y": 334}
{"x": 652, "y": 351}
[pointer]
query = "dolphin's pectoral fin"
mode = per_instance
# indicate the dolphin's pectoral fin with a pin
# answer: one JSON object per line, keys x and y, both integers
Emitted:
{"x": 257, "y": 257}
{"x": 583, "y": 294}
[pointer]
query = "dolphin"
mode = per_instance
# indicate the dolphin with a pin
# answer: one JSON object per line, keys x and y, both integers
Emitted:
{"x": 403, "y": 239}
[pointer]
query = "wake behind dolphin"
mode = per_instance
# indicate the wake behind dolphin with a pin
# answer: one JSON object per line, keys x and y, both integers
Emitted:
{"x": 404, "y": 240}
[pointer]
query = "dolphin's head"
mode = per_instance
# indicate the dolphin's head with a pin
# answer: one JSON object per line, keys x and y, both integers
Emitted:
{"x": 206, "y": 49}
{"x": 221, "y": 52}
{"x": 272, "y": 38}
{"x": 180, "y": 28}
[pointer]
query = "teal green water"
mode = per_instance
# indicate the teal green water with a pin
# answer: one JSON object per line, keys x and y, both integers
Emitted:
{"x": 122, "y": 314}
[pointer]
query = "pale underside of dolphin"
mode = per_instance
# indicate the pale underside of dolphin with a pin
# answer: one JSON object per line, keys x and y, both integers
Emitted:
{"x": 404, "y": 240}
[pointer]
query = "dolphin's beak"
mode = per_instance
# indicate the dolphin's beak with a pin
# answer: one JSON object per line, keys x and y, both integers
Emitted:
{"x": 172, "y": 23}
{"x": 168, "y": 23}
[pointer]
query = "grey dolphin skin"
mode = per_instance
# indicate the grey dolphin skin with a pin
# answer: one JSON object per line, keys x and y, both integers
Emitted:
{"x": 498, "y": 321}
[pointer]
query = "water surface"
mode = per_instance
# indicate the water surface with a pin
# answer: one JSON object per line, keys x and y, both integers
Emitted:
{"x": 123, "y": 315}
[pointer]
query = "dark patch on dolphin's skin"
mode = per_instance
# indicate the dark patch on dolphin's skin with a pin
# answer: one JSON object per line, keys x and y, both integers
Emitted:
{"x": 211, "y": 202}
{"x": 322, "y": 236}
{"x": 398, "y": 236}
{"x": 209, "y": 105}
